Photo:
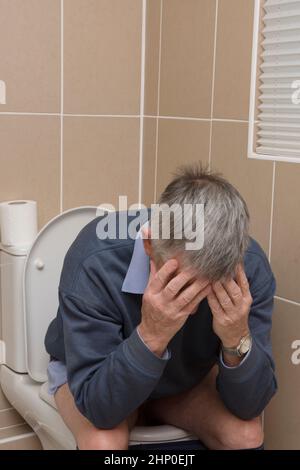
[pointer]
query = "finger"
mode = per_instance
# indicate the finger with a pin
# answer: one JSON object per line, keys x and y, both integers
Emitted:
{"x": 153, "y": 269}
{"x": 188, "y": 294}
{"x": 234, "y": 291}
{"x": 222, "y": 296}
{"x": 215, "y": 306}
{"x": 177, "y": 283}
{"x": 242, "y": 280}
{"x": 162, "y": 276}
{"x": 192, "y": 306}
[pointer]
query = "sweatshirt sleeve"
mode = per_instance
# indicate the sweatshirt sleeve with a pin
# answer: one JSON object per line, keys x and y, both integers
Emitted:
{"x": 247, "y": 388}
{"x": 109, "y": 376}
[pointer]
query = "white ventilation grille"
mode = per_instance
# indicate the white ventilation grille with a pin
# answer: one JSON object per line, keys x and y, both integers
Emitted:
{"x": 276, "y": 80}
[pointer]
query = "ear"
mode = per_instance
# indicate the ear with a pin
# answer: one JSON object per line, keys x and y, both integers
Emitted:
{"x": 146, "y": 234}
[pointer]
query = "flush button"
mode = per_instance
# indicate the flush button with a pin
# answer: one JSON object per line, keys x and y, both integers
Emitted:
{"x": 39, "y": 264}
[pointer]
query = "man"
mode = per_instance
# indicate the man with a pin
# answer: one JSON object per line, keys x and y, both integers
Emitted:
{"x": 185, "y": 342}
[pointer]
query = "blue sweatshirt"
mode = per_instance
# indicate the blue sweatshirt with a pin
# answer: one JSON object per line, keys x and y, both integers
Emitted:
{"x": 110, "y": 370}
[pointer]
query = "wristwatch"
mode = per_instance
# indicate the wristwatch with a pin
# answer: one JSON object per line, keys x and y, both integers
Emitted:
{"x": 243, "y": 347}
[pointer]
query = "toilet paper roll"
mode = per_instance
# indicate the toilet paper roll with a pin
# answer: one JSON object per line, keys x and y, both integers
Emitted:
{"x": 18, "y": 222}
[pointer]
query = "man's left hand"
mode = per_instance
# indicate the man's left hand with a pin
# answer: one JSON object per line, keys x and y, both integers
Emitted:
{"x": 230, "y": 303}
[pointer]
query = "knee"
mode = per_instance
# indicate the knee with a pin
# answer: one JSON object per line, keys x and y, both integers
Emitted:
{"x": 104, "y": 439}
{"x": 243, "y": 435}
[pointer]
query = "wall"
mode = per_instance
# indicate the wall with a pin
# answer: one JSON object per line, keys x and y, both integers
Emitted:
{"x": 70, "y": 128}
{"x": 197, "y": 102}
{"x": 90, "y": 115}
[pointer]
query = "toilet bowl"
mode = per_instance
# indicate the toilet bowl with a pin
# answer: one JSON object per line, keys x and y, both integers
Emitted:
{"x": 29, "y": 284}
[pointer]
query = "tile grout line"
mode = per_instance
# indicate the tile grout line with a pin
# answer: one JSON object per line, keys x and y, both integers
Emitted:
{"x": 7, "y": 409}
{"x": 158, "y": 101}
{"x": 213, "y": 85}
{"x": 61, "y": 102}
{"x": 70, "y": 114}
{"x": 270, "y": 240}
{"x": 189, "y": 118}
{"x": 244, "y": 121}
{"x": 180, "y": 118}
{"x": 133, "y": 116}
{"x": 283, "y": 299}
{"x": 142, "y": 99}
{"x": 13, "y": 113}
{"x": 18, "y": 437}
{"x": 13, "y": 426}
{"x": 272, "y": 211}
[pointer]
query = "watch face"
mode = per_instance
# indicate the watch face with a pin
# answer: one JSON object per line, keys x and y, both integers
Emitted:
{"x": 245, "y": 346}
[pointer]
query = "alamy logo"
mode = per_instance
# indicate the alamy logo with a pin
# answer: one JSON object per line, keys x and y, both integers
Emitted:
{"x": 2, "y": 92}
{"x": 296, "y": 94}
{"x": 295, "y": 357}
{"x": 167, "y": 222}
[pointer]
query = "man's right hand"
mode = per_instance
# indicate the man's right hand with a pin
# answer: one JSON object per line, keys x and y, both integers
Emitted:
{"x": 168, "y": 301}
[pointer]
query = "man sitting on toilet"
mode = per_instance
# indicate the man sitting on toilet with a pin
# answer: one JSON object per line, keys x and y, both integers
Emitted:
{"x": 148, "y": 331}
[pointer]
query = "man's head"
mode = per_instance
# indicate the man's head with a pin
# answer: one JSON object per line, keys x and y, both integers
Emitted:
{"x": 226, "y": 221}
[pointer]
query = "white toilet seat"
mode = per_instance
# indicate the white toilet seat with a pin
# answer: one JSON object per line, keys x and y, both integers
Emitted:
{"x": 46, "y": 396}
{"x": 140, "y": 434}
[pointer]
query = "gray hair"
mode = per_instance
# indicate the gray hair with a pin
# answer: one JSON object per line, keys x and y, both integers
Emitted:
{"x": 226, "y": 222}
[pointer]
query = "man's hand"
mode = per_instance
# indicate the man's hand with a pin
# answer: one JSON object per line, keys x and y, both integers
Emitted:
{"x": 167, "y": 302}
{"x": 230, "y": 304}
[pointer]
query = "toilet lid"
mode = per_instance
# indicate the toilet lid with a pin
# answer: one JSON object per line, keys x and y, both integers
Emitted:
{"x": 41, "y": 279}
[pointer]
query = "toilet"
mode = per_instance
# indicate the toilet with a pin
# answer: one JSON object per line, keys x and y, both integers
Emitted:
{"x": 29, "y": 301}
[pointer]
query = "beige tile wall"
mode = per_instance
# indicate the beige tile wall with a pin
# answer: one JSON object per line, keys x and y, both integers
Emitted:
{"x": 282, "y": 418}
{"x": 84, "y": 122}
{"x": 102, "y": 50}
{"x": 70, "y": 130}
